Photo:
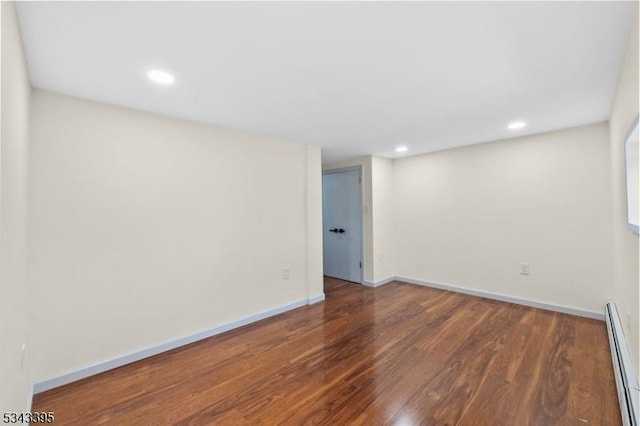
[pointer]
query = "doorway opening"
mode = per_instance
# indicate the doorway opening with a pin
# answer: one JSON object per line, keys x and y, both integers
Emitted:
{"x": 342, "y": 224}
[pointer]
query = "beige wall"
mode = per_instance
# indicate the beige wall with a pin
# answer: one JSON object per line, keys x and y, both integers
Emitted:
{"x": 625, "y": 243}
{"x": 146, "y": 228}
{"x": 15, "y": 91}
{"x": 470, "y": 216}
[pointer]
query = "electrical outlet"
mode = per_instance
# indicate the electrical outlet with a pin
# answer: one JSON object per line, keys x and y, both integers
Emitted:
{"x": 285, "y": 273}
{"x": 524, "y": 268}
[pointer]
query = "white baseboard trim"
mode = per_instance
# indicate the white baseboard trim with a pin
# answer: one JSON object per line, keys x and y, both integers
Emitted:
{"x": 505, "y": 298}
{"x": 624, "y": 372}
{"x": 315, "y": 299}
{"x": 379, "y": 282}
{"x": 101, "y": 367}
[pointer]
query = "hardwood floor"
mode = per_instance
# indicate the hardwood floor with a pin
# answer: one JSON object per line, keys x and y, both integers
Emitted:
{"x": 399, "y": 354}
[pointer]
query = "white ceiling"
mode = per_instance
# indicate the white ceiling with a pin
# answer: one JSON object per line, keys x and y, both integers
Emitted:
{"x": 353, "y": 77}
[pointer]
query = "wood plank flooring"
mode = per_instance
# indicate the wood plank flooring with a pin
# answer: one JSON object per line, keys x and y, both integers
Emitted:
{"x": 399, "y": 354}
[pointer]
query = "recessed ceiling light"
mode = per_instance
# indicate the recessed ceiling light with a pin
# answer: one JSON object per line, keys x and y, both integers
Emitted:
{"x": 516, "y": 125}
{"x": 402, "y": 149}
{"x": 160, "y": 77}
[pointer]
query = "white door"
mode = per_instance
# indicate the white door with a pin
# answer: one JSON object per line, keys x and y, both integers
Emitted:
{"x": 342, "y": 224}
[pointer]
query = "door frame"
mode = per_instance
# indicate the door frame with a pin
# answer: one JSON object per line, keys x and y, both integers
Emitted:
{"x": 360, "y": 204}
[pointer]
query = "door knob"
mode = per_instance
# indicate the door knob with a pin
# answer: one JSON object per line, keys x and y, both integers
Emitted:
{"x": 341, "y": 231}
{"x": 333, "y": 230}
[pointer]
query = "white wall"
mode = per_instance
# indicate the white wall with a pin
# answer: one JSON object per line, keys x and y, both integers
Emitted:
{"x": 146, "y": 228}
{"x": 382, "y": 218}
{"x": 470, "y": 216}
{"x": 625, "y": 243}
{"x": 314, "y": 252}
{"x": 15, "y": 92}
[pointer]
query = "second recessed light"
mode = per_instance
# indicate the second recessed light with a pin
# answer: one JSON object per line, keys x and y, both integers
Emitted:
{"x": 516, "y": 125}
{"x": 160, "y": 77}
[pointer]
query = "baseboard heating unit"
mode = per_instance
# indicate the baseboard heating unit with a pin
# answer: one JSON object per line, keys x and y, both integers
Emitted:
{"x": 626, "y": 380}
